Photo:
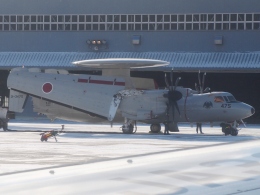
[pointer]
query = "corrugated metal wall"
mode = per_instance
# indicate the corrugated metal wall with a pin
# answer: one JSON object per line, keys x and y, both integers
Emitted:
{"x": 179, "y": 61}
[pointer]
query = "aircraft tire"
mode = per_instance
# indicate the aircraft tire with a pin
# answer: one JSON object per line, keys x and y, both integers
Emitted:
{"x": 234, "y": 132}
{"x": 5, "y": 126}
{"x": 128, "y": 130}
{"x": 155, "y": 128}
{"x": 227, "y": 131}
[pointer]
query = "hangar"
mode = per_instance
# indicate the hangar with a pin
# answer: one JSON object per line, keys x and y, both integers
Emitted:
{"x": 219, "y": 37}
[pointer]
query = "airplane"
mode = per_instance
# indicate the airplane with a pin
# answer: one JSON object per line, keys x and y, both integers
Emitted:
{"x": 115, "y": 97}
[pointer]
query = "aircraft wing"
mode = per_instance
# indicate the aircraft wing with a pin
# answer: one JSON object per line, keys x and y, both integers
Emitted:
{"x": 87, "y": 93}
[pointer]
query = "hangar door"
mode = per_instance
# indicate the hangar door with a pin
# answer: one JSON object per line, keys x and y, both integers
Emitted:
{"x": 4, "y": 92}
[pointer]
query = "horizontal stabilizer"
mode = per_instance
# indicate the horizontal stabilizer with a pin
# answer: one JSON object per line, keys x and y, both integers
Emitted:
{"x": 17, "y": 101}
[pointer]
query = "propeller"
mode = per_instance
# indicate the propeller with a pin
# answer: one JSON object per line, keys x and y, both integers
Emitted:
{"x": 173, "y": 96}
{"x": 200, "y": 88}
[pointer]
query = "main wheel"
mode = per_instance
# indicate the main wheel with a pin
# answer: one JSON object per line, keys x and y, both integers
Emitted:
{"x": 227, "y": 131}
{"x": 129, "y": 129}
{"x": 5, "y": 126}
{"x": 155, "y": 128}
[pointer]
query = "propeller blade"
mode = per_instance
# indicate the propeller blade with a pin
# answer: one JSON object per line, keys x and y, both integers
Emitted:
{"x": 171, "y": 79}
{"x": 168, "y": 112}
{"x": 197, "y": 88}
{"x": 177, "y": 107}
{"x": 166, "y": 81}
{"x": 167, "y": 118}
{"x": 199, "y": 82}
{"x": 206, "y": 90}
{"x": 176, "y": 82}
{"x": 203, "y": 81}
{"x": 172, "y": 104}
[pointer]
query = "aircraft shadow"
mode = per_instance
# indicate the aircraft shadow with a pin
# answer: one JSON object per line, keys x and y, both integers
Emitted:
{"x": 172, "y": 137}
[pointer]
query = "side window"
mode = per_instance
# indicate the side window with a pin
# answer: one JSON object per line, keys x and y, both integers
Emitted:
{"x": 219, "y": 99}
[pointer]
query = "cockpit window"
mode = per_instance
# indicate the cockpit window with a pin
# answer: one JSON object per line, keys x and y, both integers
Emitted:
{"x": 231, "y": 99}
{"x": 226, "y": 98}
{"x": 219, "y": 99}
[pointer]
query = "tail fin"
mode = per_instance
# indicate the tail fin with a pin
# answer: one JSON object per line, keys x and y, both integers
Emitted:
{"x": 17, "y": 101}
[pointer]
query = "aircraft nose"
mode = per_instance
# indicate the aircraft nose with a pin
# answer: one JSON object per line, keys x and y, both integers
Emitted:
{"x": 246, "y": 110}
{"x": 252, "y": 111}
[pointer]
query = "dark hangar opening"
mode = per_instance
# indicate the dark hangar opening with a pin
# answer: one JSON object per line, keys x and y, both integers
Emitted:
{"x": 4, "y": 91}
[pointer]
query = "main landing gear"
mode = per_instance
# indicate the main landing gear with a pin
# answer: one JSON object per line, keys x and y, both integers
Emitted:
{"x": 129, "y": 127}
{"x": 227, "y": 129}
{"x": 4, "y": 124}
{"x": 155, "y": 128}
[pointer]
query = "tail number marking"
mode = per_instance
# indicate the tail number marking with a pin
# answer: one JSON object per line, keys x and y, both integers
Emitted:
{"x": 226, "y": 106}
{"x": 16, "y": 96}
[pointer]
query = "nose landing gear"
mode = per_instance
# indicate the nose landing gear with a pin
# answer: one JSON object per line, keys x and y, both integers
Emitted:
{"x": 234, "y": 131}
{"x": 227, "y": 129}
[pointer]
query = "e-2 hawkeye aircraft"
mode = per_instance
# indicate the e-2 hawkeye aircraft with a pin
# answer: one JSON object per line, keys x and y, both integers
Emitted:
{"x": 115, "y": 97}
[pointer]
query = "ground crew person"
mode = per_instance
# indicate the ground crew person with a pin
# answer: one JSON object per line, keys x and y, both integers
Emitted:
{"x": 166, "y": 129}
{"x": 199, "y": 128}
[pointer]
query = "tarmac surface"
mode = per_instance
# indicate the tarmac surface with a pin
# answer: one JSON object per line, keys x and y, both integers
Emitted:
{"x": 97, "y": 159}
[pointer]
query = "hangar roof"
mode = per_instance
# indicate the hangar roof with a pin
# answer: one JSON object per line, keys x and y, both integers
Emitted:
{"x": 214, "y": 61}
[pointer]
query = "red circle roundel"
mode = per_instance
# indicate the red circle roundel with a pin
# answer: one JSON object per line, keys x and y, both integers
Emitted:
{"x": 47, "y": 87}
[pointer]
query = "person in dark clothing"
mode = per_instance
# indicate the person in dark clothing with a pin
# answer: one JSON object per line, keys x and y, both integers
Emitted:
{"x": 166, "y": 129}
{"x": 199, "y": 128}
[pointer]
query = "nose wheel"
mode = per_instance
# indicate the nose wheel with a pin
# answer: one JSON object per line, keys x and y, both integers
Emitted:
{"x": 227, "y": 129}
{"x": 234, "y": 131}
